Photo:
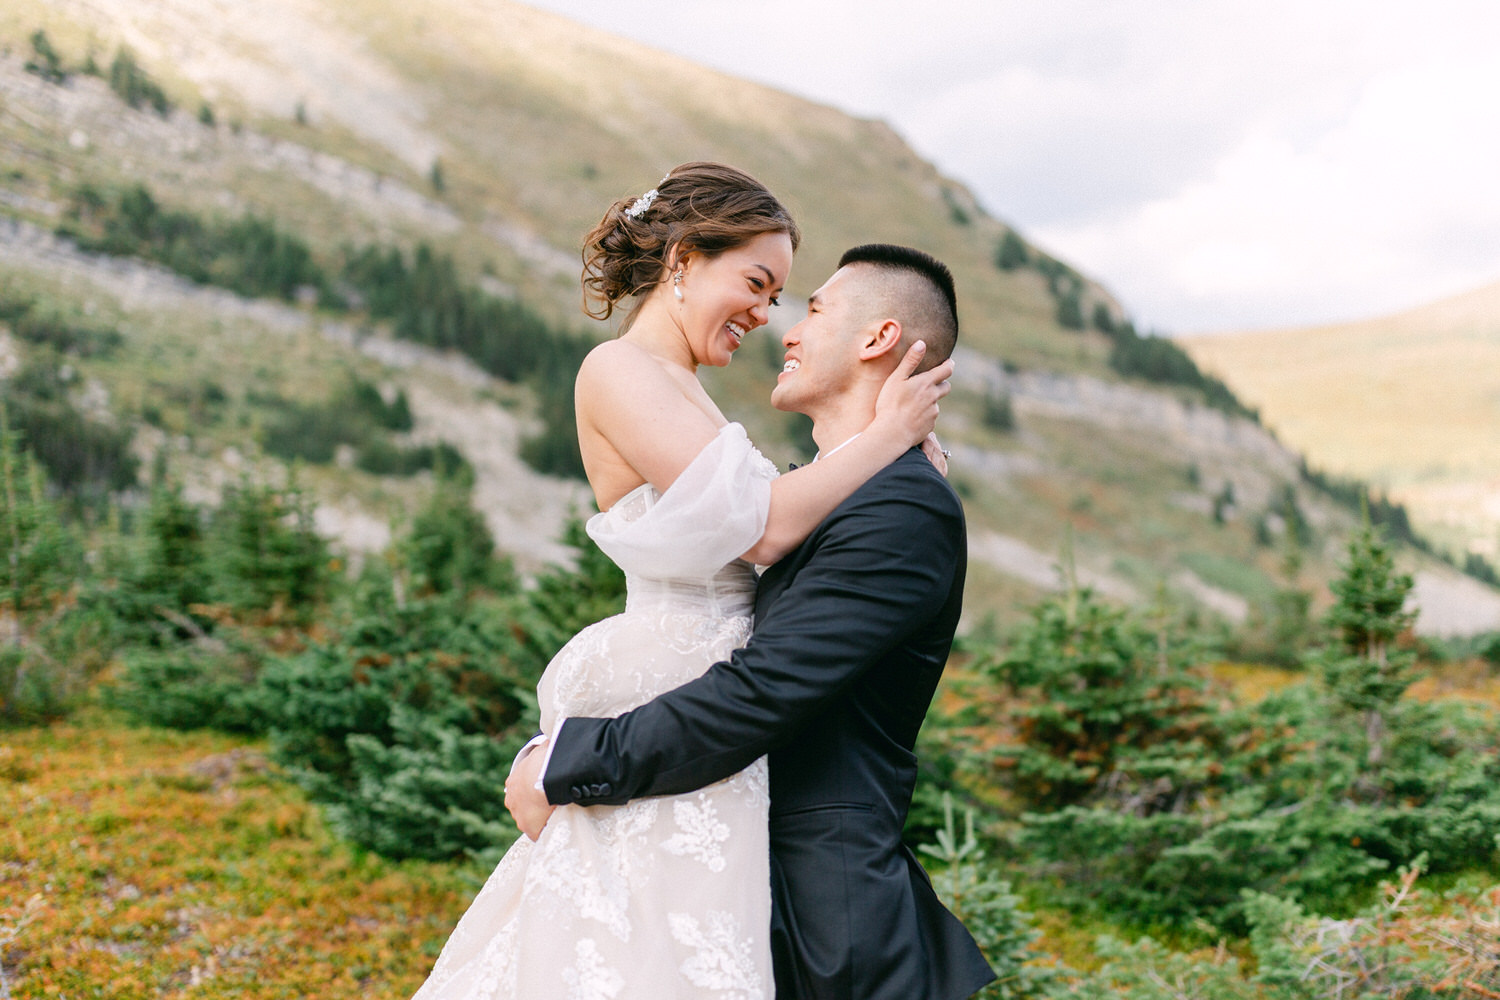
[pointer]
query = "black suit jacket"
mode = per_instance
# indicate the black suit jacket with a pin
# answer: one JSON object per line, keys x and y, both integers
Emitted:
{"x": 852, "y": 631}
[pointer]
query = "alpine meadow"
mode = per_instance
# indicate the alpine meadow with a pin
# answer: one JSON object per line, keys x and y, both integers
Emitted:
{"x": 291, "y": 518}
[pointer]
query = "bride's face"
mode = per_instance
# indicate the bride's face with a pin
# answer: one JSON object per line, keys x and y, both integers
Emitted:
{"x": 727, "y": 296}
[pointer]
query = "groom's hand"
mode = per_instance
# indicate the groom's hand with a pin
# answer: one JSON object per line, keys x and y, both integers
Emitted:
{"x": 527, "y": 803}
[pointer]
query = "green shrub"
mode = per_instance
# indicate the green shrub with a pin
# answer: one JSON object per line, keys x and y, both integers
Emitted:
{"x": 405, "y": 724}
{"x": 1146, "y": 970}
{"x": 1070, "y": 310}
{"x": 46, "y": 328}
{"x": 403, "y": 721}
{"x": 1103, "y": 319}
{"x": 1158, "y": 359}
{"x": 425, "y": 299}
{"x": 40, "y": 562}
{"x": 1109, "y": 699}
{"x": 266, "y": 555}
{"x": 184, "y": 687}
{"x": 381, "y": 457}
{"x": 32, "y": 687}
{"x": 39, "y": 557}
{"x": 134, "y": 84}
{"x": 1309, "y": 795}
{"x": 1062, "y": 280}
{"x": 566, "y": 599}
{"x": 999, "y": 413}
{"x": 164, "y": 576}
{"x": 554, "y": 449}
{"x": 1011, "y": 252}
{"x": 311, "y": 433}
{"x": 989, "y": 910}
{"x": 82, "y": 456}
{"x": 46, "y": 63}
{"x": 358, "y": 416}
{"x": 249, "y": 255}
{"x": 449, "y": 549}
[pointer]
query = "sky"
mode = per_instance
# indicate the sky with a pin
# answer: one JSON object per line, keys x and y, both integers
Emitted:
{"x": 1217, "y": 164}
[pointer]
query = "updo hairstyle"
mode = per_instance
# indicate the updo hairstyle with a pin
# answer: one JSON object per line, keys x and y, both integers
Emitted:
{"x": 700, "y": 207}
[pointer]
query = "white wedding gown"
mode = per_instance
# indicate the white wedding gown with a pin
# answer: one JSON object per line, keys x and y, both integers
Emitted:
{"x": 662, "y": 898}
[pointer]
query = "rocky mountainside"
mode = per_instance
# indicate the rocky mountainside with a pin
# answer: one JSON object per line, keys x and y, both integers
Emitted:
{"x": 495, "y": 134}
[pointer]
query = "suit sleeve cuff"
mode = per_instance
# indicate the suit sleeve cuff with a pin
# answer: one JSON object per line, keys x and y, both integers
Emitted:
{"x": 548, "y": 745}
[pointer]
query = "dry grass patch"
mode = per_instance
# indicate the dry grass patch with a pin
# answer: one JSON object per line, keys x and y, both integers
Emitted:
{"x": 139, "y": 862}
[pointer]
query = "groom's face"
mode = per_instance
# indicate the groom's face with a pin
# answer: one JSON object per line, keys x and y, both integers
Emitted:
{"x": 822, "y": 351}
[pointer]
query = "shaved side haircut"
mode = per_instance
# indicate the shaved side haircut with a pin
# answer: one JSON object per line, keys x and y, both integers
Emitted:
{"x": 916, "y": 290}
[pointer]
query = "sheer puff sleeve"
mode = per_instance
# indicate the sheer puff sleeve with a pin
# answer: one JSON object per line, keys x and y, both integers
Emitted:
{"x": 713, "y": 513}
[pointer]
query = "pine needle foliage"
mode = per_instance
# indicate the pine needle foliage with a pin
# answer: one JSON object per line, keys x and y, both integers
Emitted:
{"x": 404, "y": 721}
{"x": 40, "y": 559}
{"x": 1152, "y": 803}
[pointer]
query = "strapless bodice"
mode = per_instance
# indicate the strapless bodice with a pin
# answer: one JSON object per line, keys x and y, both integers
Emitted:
{"x": 728, "y": 593}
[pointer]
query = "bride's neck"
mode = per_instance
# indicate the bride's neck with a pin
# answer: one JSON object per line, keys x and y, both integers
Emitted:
{"x": 657, "y": 332}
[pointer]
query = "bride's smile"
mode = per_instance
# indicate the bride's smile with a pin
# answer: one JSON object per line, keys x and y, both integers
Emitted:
{"x": 727, "y": 295}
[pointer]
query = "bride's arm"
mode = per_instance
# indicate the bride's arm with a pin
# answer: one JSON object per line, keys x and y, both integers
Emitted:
{"x": 624, "y": 396}
{"x": 904, "y": 416}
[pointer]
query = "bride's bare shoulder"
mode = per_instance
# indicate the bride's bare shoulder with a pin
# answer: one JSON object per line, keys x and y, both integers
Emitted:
{"x": 618, "y": 365}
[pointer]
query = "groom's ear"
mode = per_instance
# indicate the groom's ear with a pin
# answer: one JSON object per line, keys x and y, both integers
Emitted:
{"x": 880, "y": 340}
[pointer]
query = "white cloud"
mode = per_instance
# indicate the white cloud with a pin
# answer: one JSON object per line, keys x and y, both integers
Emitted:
{"x": 1390, "y": 207}
{"x": 1218, "y": 163}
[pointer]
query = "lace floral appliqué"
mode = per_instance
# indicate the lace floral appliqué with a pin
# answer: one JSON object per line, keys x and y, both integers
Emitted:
{"x": 723, "y": 955}
{"x": 700, "y": 832}
{"x": 663, "y": 898}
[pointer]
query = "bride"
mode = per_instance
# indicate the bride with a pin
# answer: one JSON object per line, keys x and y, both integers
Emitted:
{"x": 668, "y": 897}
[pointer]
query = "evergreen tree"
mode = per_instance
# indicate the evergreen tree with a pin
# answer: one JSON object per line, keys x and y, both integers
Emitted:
{"x": 1366, "y": 673}
{"x": 1012, "y": 252}
{"x": 267, "y": 556}
{"x": 1070, "y": 310}
{"x": 174, "y": 569}
{"x": 404, "y": 722}
{"x": 449, "y": 549}
{"x": 47, "y": 64}
{"x": 1290, "y": 607}
{"x": 1107, "y": 698}
{"x": 1104, "y": 320}
{"x": 39, "y": 557}
{"x": 40, "y": 562}
{"x": 999, "y": 413}
{"x": 135, "y": 86}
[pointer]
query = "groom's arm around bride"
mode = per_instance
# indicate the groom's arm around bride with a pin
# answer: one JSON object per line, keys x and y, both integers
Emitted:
{"x": 852, "y": 632}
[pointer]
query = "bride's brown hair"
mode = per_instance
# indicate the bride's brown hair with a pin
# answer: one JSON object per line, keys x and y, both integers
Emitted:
{"x": 699, "y": 207}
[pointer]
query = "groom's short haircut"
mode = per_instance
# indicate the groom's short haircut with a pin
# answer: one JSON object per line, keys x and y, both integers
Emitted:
{"x": 916, "y": 289}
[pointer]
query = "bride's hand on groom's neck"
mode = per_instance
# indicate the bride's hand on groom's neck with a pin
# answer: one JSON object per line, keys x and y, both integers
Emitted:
{"x": 907, "y": 405}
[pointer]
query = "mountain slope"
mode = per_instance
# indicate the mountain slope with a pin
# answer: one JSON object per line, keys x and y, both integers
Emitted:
{"x": 1410, "y": 402}
{"x": 497, "y": 134}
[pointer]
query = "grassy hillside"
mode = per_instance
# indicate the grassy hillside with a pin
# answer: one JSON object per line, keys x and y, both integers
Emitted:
{"x": 496, "y": 134}
{"x": 1410, "y": 402}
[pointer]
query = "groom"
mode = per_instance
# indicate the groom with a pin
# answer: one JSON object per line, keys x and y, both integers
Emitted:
{"x": 852, "y": 632}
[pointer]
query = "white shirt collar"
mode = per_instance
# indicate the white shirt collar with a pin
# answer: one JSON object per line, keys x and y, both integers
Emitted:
{"x": 821, "y": 455}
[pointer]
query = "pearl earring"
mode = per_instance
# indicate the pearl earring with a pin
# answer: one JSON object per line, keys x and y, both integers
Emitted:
{"x": 677, "y": 284}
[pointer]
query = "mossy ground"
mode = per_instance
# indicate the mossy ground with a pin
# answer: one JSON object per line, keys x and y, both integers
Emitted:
{"x": 170, "y": 864}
